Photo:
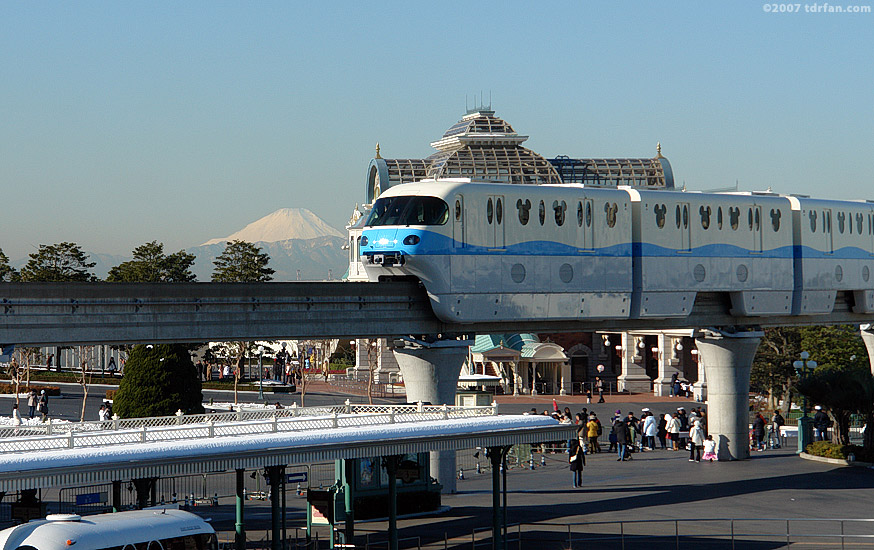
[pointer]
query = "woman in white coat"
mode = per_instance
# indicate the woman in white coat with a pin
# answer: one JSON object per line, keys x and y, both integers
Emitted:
{"x": 650, "y": 430}
{"x": 673, "y": 428}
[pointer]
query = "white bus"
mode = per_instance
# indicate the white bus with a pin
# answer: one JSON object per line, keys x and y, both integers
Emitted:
{"x": 136, "y": 530}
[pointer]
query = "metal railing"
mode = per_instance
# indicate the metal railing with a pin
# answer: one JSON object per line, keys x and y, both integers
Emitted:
{"x": 728, "y": 533}
{"x": 197, "y": 426}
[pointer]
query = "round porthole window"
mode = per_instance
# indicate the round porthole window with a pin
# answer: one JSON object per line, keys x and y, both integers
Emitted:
{"x": 839, "y": 273}
{"x": 517, "y": 273}
{"x": 699, "y": 273}
{"x": 566, "y": 273}
{"x": 742, "y": 273}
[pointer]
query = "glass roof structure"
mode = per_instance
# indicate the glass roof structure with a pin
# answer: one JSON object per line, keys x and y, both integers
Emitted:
{"x": 484, "y": 147}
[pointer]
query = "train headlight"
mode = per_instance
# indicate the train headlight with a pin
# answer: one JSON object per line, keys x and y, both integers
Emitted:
{"x": 411, "y": 240}
{"x": 363, "y": 241}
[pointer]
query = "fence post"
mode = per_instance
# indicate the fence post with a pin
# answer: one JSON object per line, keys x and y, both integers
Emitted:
{"x": 334, "y": 419}
{"x": 391, "y": 415}
{"x": 275, "y": 423}
{"x": 239, "y": 414}
{"x": 114, "y": 421}
{"x": 420, "y": 408}
{"x": 179, "y": 414}
{"x": 212, "y": 428}
{"x": 348, "y": 407}
{"x": 71, "y": 445}
{"x": 49, "y": 426}
{"x": 494, "y": 407}
{"x": 445, "y": 412}
{"x": 143, "y": 435}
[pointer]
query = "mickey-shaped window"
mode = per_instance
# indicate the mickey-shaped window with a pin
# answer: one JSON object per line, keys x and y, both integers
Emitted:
{"x": 524, "y": 208}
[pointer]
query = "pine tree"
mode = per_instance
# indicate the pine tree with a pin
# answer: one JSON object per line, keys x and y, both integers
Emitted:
{"x": 158, "y": 381}
{"x": 151, "y": 265}
{"x": 58, "y": 263}
{"x": 242, "y": 262}
{"x": 7, "y": 272}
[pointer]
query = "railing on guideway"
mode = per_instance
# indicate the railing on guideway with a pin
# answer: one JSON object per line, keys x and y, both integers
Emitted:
{"x": 241, "y": 422}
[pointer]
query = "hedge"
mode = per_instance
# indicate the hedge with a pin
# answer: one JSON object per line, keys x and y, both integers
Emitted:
{"x": 50, "y": 390}
{"x": 828, "y": 449}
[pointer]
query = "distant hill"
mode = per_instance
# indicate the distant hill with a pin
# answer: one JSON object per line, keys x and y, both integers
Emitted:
{"x": 282, "y": 225}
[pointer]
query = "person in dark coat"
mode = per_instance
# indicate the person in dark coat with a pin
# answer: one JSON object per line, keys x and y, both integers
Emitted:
{"x": 759, "y": 432}
{"x": 821, "y": 423}
{"x": 620, "y": 430}
{"x": 662, "y": 433}
{"x": 577, "y": 459}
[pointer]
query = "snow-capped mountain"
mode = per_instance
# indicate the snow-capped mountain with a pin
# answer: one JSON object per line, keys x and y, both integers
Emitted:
{"x": 282, "y": 225}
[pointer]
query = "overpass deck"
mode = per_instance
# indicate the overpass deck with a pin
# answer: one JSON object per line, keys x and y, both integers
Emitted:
{"x": 172, "y": 448}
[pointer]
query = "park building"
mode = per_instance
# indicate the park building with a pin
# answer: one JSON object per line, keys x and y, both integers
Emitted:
{"x": 484, "y": 147}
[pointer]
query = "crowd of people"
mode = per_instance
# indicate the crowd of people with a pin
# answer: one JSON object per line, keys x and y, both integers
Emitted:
{"x": 630, "y": 433}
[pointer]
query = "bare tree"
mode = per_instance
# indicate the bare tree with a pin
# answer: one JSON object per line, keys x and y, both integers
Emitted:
{"x": 84, "y": 374}
{"x": 15, "y": 371}
{"x": 372, "y": 363}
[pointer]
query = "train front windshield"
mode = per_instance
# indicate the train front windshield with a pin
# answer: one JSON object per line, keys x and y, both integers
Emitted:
{"x": 408, "y": 211}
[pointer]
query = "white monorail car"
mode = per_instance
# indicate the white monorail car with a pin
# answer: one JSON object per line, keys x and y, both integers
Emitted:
{"x": 135, "y": 530}
{"x": 487, "y": 251}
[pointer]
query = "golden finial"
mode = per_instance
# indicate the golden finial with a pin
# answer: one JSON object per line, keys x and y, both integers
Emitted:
{"x": 658, "y": 150}
{"x": 377, "y": 151}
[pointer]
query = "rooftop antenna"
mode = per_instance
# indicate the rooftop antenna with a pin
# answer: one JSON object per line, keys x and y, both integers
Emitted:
{"x": 490, "y": 100}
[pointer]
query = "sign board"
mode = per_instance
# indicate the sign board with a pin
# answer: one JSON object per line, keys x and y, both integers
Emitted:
{"x": 321, "y": 507}
{"x": 90, "y": 498}
{"x": 297, "y": 477}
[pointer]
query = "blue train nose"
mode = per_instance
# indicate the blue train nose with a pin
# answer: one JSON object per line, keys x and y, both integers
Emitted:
{"x": 383, "y": 239}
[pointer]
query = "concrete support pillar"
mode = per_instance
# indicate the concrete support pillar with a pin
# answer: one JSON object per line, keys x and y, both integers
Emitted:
{"x": 868, "y": 338}
{"x": 669, "y": 363}
{"x": 553, "y": 369}
{"x": 633, "y": 377}
{"x": 565, "y": 379}
{"x": 699, "y": 388}
{"x": 431, "y": 376}
{"x": 728, "y": 358}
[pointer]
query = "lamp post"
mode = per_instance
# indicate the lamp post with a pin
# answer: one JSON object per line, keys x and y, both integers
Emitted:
{"x": 805, "y": 425}
{"x": 260, "y": 373}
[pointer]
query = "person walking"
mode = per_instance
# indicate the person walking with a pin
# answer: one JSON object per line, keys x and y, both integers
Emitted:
{"x": 673, "y": 429}
{"x": 32, "y": 402}
{"x": 662, "y": 431}
{"x": 599, "y": 386}
{"x": 593, "y": 430}
{"x": 620, "y": 431}
{"x": 650, "y": 430}
{"x": 696, "y": 441}
{"x": 759, "y": 432}
{"x": 577, "y": 459}
{"x": 43, "y": 405}
{"x": 821, "y": 424}
{"x": 775, "y": 430}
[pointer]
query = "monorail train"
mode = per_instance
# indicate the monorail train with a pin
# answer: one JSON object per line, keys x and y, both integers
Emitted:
{"x": 494, "y": 252}
{"x": 135, "y": 530}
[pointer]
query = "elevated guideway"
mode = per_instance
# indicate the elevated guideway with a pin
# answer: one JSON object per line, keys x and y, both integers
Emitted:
{"x": 35, "y": 314}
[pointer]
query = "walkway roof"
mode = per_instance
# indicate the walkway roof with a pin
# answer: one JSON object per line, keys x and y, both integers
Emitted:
{"x": 103, "y": 464}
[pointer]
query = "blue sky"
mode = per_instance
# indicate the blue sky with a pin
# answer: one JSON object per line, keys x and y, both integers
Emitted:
{"x": 126, "y": 122}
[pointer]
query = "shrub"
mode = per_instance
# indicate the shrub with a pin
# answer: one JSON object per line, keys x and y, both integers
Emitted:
{"x": 158, "y": 381}
{"x": 828, "y": 449}
{"x": 50, "y": 390}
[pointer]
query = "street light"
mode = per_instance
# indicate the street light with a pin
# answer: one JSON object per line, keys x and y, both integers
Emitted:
{"x": 260, "y": 373}
{"x": 805, "y": 427}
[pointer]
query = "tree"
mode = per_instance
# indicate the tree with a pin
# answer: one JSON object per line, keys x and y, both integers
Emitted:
{"x": 151, "y": 265}
{"x": 843, "y": 391}
{"x": 7, "y": 272}
{"x": 838, "y": 346}
{"x": 84, "y": 374}
{"x": 842, "y": 378}
{"x": 158, "y": 381}
{"x": 772, "y": 371}
{"x": 242, "y": 262}
{"x": 58, "y": 263}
